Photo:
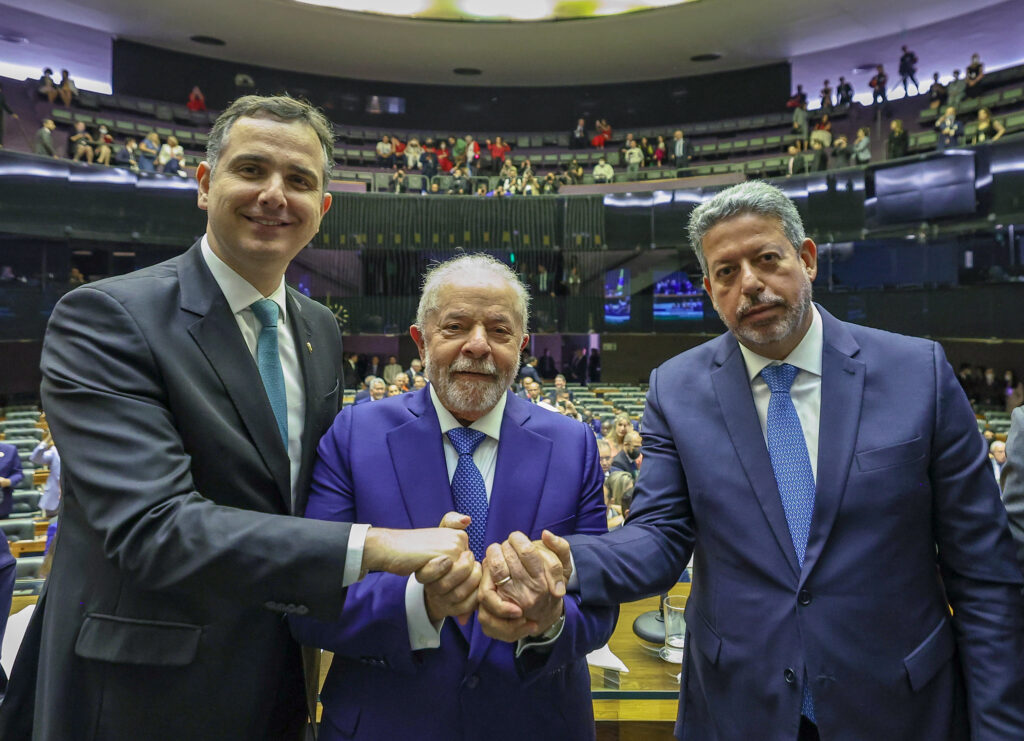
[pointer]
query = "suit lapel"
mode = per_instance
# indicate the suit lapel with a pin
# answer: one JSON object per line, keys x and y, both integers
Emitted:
{"x": 216, "y": 333}
{"x": 522, "y": 468}
{"x": 417, "y": 454}
{"x": 842, "y": 391}
{"x": 303, "y": 335}
{"x": 732, "y": 388}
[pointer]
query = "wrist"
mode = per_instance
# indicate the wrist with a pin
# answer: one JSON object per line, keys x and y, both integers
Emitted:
{"x": 552, "y": 627}
{"x": 376, "y": 549}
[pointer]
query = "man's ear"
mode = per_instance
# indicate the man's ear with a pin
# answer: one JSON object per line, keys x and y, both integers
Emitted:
{"x": 203, "y": 179}
{"x": 419, "y": 339}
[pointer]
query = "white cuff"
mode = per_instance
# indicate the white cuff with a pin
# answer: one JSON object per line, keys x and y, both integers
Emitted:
{"x": 354, "y": 555}
{"x": 423, "y": 632}
{"x": 544, "y": 639}
{"x": 573, "y": 584}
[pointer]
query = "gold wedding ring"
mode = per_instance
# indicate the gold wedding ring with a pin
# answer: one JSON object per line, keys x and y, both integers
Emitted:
{"x": 506, "y": 580}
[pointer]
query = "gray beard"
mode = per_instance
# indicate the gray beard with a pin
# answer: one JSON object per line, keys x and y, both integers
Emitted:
{"x": 778, "y": 330}
{"x": 462, "y": 397}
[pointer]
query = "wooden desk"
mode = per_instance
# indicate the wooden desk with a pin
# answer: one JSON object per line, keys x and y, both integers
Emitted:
{"x": 41, "y": 526}
{"x": 28, "y": 547}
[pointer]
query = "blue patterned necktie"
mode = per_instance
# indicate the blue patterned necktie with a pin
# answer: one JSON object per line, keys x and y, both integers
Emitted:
{"x": 787, "y": 448}
{"x": 468, "y": 489}
{"x": 269, "y": 363}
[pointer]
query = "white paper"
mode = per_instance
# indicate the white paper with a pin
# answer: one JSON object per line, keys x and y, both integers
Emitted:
{"x": 603, "y": 658}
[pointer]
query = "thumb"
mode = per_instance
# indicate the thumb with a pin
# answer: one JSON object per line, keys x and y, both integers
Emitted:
{"x": 455, "y": 520}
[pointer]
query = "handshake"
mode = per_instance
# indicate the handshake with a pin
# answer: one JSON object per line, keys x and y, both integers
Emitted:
{"x": 517, "y": 591}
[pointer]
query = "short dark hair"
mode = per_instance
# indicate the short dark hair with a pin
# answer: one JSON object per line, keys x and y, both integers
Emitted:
{"x": 280, "y": 107}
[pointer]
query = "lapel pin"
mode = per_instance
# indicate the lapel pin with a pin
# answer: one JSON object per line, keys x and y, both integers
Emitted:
{"x": 309, "y": 346}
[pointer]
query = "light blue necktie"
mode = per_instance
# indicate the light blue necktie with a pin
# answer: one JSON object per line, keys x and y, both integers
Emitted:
{"x": 787, "y": 448}
{"x": 268, "y": 360}
{"x": 468, "y": 489}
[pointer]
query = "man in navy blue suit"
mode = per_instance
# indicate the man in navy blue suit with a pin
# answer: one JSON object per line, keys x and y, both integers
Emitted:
{"x": 831, "y": 484}
{"x": 404, "y": 666}
{"x": 10, "y": 476}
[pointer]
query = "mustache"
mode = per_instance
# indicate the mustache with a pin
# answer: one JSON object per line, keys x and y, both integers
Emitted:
{"x": 759, "y": 302}
{"x": 468, "y": 365}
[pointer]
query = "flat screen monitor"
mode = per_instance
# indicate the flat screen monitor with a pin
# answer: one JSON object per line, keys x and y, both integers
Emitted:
{"x": 676, "y": 298}
{"x": 617, "y": 309}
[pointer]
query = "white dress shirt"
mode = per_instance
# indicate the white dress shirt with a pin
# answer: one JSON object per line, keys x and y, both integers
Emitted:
{"x": 240, "y": 295}
{"x": 46, "y": 455}
{"x": 806, "y": 389}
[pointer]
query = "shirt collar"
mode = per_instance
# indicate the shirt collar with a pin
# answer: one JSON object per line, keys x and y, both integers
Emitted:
{"x": 489, "y": 424}
{"x": 240, "y": 293}
{"x": 806, "y": 356}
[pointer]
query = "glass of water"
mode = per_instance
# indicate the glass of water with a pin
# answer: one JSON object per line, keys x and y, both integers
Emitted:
{"x": 673, "y": 610}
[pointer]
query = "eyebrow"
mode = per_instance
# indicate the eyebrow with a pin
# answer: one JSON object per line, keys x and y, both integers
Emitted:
{"x": 264, "y": 160}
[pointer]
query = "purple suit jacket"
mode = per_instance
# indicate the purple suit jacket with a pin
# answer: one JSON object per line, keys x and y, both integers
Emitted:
{"x": 907, "y": 518}
{"x": 384, "y": 464}
{"x": 10, "y": 468}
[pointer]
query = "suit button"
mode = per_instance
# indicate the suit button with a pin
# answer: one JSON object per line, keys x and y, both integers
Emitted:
{"x": 789, "y": 675}
{"x": 804, "y": 597}
{"x": 472, "y": 682}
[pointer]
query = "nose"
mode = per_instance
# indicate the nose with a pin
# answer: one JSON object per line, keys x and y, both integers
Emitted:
{"x": 750, "y": 281}
{"x": 476, "y": 345}
{"x": 272, "y": 192}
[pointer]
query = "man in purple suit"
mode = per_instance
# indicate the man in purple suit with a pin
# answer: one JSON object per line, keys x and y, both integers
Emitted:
{"x": 831, "y": 484}
{"x": 410, "y": 658}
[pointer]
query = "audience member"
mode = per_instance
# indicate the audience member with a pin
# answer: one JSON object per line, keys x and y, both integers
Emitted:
{"x": 578, "y": 136}
{"x": 575, "y": 171}
{"x": 897, "y": 144}
{"x": 936, "y": 93}
{"x": 660, "y": 151}
{"x": 550, "y": 185}
{"x": 795, "y": 162}
{"x": 397, "y": 182}
{"x": 11, "y": 475}
{"x": 4, "y": 108}
{"x": 126, "y": 155}
{"x": 604, "y": 134}
{"x": 385, "y": 152}
{"x": 45, "y": 455}
{"x": 529, "y": 368}
{"x": 419, "y": 382}
{"x": 171, "y": 158}
{"x": 66, "y": 89}
{"x": 392, "y": 369}
{"x": 826, "y": 96}
{"x": 990, "y": 391}
{"x": 797, "y": 99}
{"x": 460, "y": 185}
{"x": 376, "y": 391}
{"x": 949, "y": 129}
{"x": 620, "y": 426}
{"x": 987, "y": 129}
{"x": 956, "y": 90}
{"x": 498, "y": 149}
{"x": 428, "y": 162}
{"x": 444, "y": 157}
{"x": 1013, "y": 391}
{"x": 997, "y": 457}
{"x": 908, "y": 70}
{"x": 393, "y": 390}
{"x": 104, "y": 146}
{"x": 823, "y": 131}
{"x": 80, "y": 143}
{"x": 800, "y": 125}
{"x": 196, "y": 100}
{"x": 680, "y": 149}
{"x": 844, "y": 92}
{"x": 413, "y": 150}
{"x": 616, "y": 486}
{"x": 149, "y": 149}
{"x": 878, "y": 83}
{"x": 634, "y": 159}
{"x": 628, "y": 458}
{"x": 862, "y": 146}
{"x": 604, "y": 453}
{"x": 471, "y": 151}
{"x": 42, "y": 142}
{"x": 647, "y": 149}
{"x": 975, "y": 73}
{"x": 47, "y": 86}
{"x": 603, "y": 172}
{"x": 819, "y": 157}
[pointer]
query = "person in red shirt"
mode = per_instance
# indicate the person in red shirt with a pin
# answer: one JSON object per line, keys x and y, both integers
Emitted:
{"x": 604, "y": 133}
{"x": 498, "y": 149}
{"x": 444, "y": 157}
{"x": 196, "y": 100}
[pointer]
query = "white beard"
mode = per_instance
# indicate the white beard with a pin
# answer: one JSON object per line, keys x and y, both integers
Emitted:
{"x": 463, "y": 396}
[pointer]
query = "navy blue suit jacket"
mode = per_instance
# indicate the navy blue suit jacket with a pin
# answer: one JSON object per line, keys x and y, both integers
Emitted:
{"x": 10, "y": 468}
{"x": 384, "y": 464}
{"x": 907, "y": 517}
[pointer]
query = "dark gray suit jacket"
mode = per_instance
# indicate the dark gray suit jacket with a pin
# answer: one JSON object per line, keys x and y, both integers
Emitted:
{"x": 178, "y": 555}
{"x": 1013, "y": 481}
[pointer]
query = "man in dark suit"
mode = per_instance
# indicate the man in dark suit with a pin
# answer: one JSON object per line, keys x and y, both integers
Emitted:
{"x": 559, "y": 388}
{"x": 1013, "y": 481}
{"x": 625, "y": 459}
{"x": 8, "y": 574}
{"x": 788, "y": 630}
{"x": 351, "y": 370}
{"x": 187, "y": 400}
{"x": 399, "y": 463}
{"x": 10, "y": 476}
{"x": 529, "y": 370}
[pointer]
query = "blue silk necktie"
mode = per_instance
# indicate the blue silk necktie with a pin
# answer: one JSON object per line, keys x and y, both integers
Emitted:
{"x": 787, "y": 448}
{"x": 268, "y": 360}
{"x": 468, "y": 489}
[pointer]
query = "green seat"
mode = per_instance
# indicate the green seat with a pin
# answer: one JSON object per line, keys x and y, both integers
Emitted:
{"x": 83, "y": 117}
{"x": 737, "y": 167}
{"x": 739, "y": 145}
{"x": 1015, "y": 121}
{"x": 705, "y": 170}
{"x": 989, "y": 100}
{"x": 124, "y": 127}
{"x": 724, "y": 147}
{"x": 61, "y": 115}
{"x": 756, "y": 144}
{"x": 719, "y": 169}
{"x": 108, "y": 122}
{"x": 1012, "y": 96}
{"x": 163, "y": 132}
{"x": 754, "y": 165}
{"x": 928, "y": 114}
{"x": 772, "y": 142}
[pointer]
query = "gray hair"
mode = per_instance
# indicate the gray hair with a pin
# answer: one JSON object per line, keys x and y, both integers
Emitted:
{"x": 280, "y": 107}
{"x": 752, "y": 197}
{"x": 442, "y": 273}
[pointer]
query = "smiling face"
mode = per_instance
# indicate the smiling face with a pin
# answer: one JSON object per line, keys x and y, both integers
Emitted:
{"x": 471, "y": 343}
{"x": 265, "y": 200}
{"x": 759, "y": 284}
